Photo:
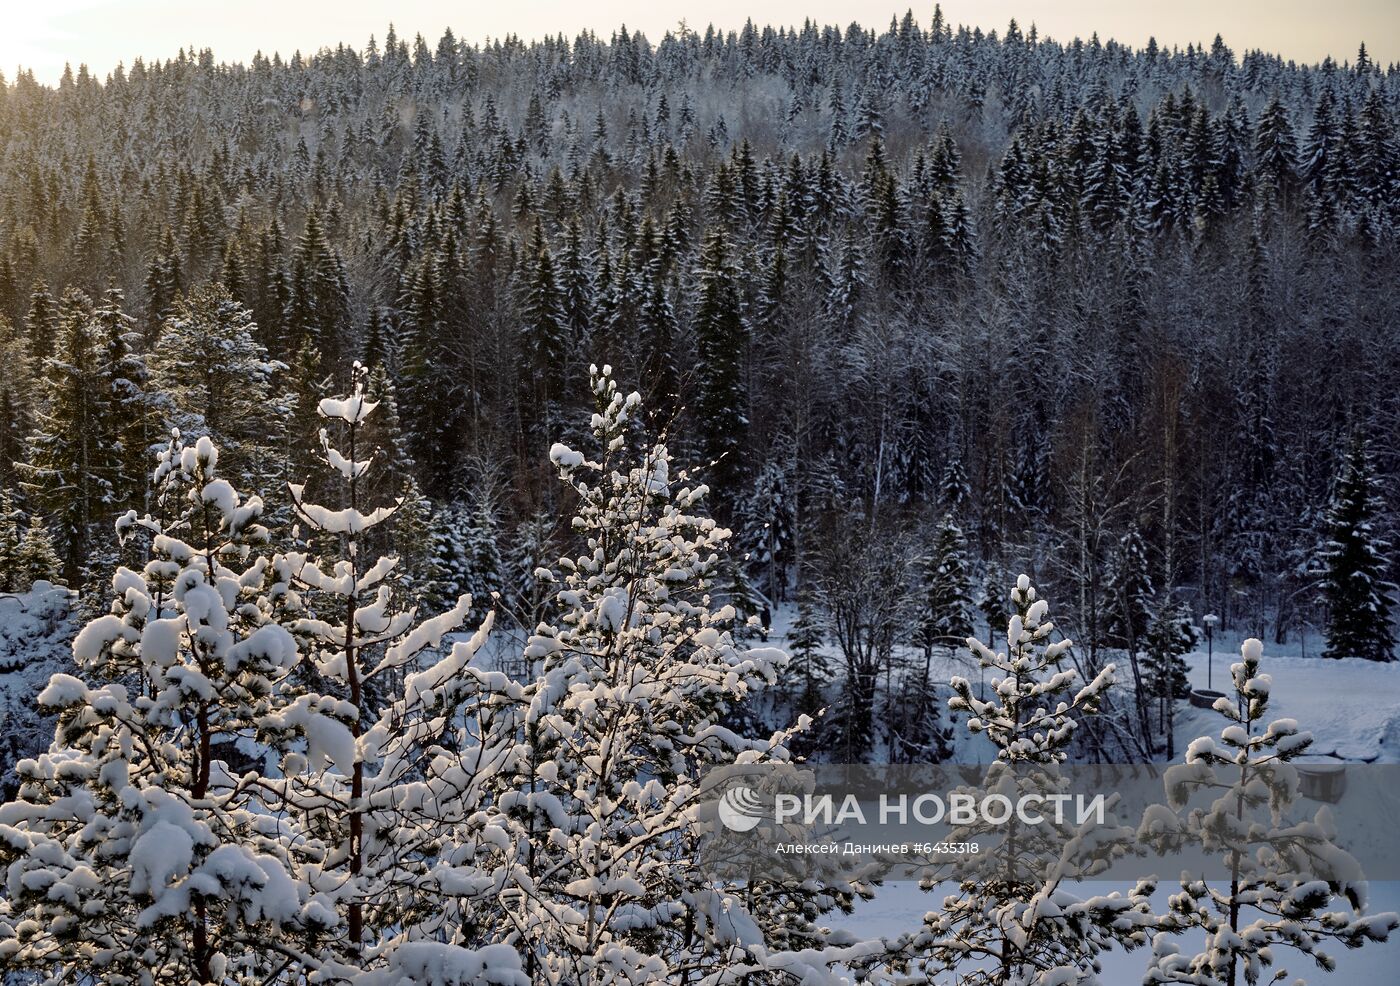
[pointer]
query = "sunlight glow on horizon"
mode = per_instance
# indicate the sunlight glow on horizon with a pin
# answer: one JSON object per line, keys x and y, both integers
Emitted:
{"x": 104, "y": 33}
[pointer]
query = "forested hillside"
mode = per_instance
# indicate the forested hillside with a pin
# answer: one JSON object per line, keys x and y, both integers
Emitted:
{"x": 909, "y": 299}
{"x": 413, "y": 456}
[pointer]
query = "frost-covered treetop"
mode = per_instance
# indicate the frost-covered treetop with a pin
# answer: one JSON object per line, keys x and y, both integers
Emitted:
{"x": 648, "y": 557}
{"x": 1031, "y": 716}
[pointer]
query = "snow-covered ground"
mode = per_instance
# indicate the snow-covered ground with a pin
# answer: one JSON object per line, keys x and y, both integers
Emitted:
{"x": 35, "y": 642}
{"x": 1351, "y": 706}
{"x": 901, "y": 906}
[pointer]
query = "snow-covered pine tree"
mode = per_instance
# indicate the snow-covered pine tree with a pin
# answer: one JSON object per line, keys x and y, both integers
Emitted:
{"x": 1014, "y": 919}
{"x": 1358, "y": 596}
{"x": 41, "y": 321}
{"x": 1276, "y": 896}
{"x": 373, "y": 848}
{"x": 318, "y": 309}
{"x": 1034, "y": 676}
{"x": 634, "y": 678}
{"x": 385, "y": 432}
{"x": 1170, "y": 636}
{"x": 134, "y": 855}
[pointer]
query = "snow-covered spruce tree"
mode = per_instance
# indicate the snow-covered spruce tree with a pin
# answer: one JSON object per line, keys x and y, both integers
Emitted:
{"x": 1014, "y": 919}
{"x": 941, "y": 611}
{"x": 1170, "y": 636}
{"x": 415, "y": 542}
{"x": 808, "y": 668}
{"x": 35, "y": 558}
{"x": 1359, "y": 599}
{"x": 484, "y": 553}
{"x": 132, "y": 420}
{"x": 131, "y": 854}
{"x": 720, "y": 337}
{"x": 604, "y": 806}
{"x": 533, "y": 548}
{"x": 72, "y": 458}
{"x": 1288, "y": 884}
{"x": 467, "y": 550}
{"x": 945, "y": 612}
{"x": 1130, "y": 591}
{"x": 9, "y": 543}
{"x": 17, "y": 397}
{"x": 769, "y": 527}
{"x": 217, "y": 380}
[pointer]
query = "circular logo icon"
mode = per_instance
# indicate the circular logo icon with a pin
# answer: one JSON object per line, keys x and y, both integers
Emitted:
{"x": 740, "y": 809}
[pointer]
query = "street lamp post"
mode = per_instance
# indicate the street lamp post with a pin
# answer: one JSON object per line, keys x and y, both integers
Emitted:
{"x": 1210, "y": 620}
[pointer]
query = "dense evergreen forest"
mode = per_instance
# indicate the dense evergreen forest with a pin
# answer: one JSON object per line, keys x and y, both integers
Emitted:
{"x": 924, "y": 307}
{"x": 413, "y": 456}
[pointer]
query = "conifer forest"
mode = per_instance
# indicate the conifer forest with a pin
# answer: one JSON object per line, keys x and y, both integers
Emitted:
{"x": 421, "y": 459}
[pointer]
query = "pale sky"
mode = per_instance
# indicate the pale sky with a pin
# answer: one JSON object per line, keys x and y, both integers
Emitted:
{"x": 43, "y": 34}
